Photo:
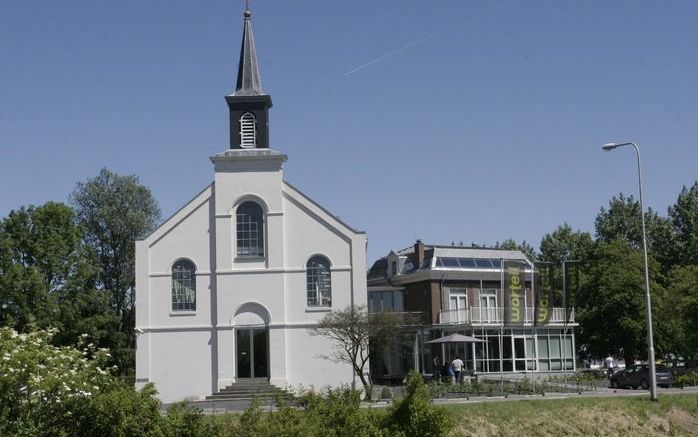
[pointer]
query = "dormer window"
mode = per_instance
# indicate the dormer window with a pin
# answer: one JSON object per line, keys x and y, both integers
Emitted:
{"x": 248, "y": 131}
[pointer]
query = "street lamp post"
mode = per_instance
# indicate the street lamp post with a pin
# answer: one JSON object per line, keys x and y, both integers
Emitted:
{"x": 650, "y": 342}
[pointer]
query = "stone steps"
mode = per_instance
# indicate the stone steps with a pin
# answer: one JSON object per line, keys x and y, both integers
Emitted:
{"x": 248, "y": 390}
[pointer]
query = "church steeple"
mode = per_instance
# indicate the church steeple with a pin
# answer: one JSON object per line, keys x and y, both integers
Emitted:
{"x": 249, "y": 105}
{"x": 249, "y": 83}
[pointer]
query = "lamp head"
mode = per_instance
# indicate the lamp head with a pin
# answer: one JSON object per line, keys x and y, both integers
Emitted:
{"x": 609, "y": 146}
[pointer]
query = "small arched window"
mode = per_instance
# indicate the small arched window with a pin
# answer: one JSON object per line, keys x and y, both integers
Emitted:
{"x": 183, "y": 286}
{"x": 250, "y": 230}
{"x": 248, "y": 131}
{"x": 319, "y": 282}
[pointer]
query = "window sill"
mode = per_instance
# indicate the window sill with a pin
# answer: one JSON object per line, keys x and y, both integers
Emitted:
{"x": 318, "y": 309}
{"x": 247, "y": 259}
{"x": 182, "y": 313}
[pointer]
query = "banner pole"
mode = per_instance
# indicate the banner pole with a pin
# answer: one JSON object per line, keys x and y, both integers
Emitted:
{"x": 501, "y": 327}
{"x": 564, "y": 322}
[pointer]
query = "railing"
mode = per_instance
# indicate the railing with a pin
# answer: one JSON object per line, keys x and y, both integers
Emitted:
{"x": 495, "y": 315}
{"x": 404, "y": 317}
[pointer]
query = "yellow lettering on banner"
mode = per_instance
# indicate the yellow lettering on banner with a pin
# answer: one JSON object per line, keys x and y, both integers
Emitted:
{"x": 515, "y": 310}
{"x": 543, "y": 309}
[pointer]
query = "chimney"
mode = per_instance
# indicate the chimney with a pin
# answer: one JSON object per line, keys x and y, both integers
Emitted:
{"x": 419, "y": 252}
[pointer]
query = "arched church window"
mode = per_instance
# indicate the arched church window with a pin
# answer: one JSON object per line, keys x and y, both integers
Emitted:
{"x": 248, "y": 131}
{"x": 319, "y": 282}
{"x": 250, "y": 230}
{"x": 183, "y": 286}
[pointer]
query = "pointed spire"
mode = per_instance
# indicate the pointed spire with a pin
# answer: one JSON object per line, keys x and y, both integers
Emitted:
{"x": 249, "y": 83}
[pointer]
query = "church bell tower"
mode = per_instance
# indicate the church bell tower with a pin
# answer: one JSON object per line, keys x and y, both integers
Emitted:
{"x": 249, "y": 105}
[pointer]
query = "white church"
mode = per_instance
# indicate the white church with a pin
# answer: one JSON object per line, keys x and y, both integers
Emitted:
{"x": 230, "y": 285}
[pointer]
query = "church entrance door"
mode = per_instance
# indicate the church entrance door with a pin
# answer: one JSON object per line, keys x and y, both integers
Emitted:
{"x": 252, "y": 352}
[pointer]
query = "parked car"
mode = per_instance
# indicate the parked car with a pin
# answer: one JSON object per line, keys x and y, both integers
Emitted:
{"x": 639, "y": 376}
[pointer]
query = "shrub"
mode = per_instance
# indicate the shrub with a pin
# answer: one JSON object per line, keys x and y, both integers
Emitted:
{"x": 122, "y": 411}
{"x": 334, "y": 412}
{"x": 183, "y": 419}
{"x": 687, "y": 379}
{"x": 41, "y": 384}
{"x": 415, "y": 414}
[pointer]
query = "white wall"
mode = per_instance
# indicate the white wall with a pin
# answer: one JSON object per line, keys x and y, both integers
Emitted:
{"x": 176, "y": 350}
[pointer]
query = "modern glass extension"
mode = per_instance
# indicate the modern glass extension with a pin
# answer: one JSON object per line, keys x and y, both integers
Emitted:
{"x": 511, "y": 350}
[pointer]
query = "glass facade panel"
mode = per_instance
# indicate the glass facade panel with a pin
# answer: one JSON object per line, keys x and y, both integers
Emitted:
{"x": 568, "y": 346}
{"x": 554, "y": 347}
{"x": 530, "y": 349}
{"x": 519, "y": 348}
{"x": 375, "y": 302}
{"x": 543, "y": 347}
{"x": 399, "y": 301}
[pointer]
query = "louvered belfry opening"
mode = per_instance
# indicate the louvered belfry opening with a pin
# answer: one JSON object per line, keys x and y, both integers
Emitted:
{"x": 248, "y": 131}
{"x": 249, "y": 105}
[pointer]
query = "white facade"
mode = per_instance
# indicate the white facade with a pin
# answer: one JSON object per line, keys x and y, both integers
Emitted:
{"x": 193, "y": 353}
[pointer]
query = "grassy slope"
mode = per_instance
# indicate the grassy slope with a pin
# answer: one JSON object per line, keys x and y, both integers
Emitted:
{"x": 631, "y": 416}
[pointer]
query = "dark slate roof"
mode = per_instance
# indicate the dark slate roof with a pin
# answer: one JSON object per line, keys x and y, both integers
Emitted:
{"x": 379, "y": 269}
{"x": 450, "y": 257}
{"x": 249, "y": 82}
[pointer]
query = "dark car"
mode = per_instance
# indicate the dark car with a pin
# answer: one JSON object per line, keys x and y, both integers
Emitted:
{"x": 639, "y": 376}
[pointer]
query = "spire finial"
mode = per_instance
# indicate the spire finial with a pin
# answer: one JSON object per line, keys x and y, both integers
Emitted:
{"x": 247, "y": 12}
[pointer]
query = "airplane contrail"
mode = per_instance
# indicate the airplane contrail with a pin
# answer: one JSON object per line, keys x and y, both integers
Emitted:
{"x": 396, "y": 51}
{"x": 412, "y": 44}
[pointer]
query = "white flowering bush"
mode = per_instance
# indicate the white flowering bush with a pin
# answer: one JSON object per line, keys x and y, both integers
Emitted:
{"x": 41, "y": 385}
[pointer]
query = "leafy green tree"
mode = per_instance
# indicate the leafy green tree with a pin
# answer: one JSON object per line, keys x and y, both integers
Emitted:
{"x": 115, "y": 210}
{"x": 47, "y": 275}
{"x": 621, "y": 221}
{"x": 611, "y": 304}
{"x": 680, "y": 309}
{"x": 684, "y": 218}
{"x": 511, "y": 244}
{"x": 565, "y": 244}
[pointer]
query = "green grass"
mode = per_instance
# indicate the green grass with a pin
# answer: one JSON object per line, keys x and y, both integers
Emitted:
{"x": 631, "y": 416}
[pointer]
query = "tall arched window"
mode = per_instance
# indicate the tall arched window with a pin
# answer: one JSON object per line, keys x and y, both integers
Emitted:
{"x": 319, "y": 282}
{"x": 250, "y": 230}
{"x": 248, "y": 131}
{"x": 183, "y": 286}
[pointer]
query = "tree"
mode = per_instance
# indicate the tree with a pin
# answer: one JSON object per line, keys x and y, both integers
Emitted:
{"x": 565, "y": 244}
{"x": 511, "y": 244}
{"x": 47, "y": 275}
{"x": 622, "y": 222}
{"x": 115, "y": 210}
{"x": 680, "y": 309}
{"x": 611, "y": 304}
{"x": 684, "y": 218}
{"x": 352, "y": 329}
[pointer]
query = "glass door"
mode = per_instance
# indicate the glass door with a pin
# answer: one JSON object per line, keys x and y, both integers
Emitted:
{"x": 488, "y": 304}
{"x": 251, "y": 353}
{"x": 458, "y": 305}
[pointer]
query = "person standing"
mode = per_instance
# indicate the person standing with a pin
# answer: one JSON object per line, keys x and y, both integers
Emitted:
{"x": 608, "y": 364}
{"x": 437, "y": 368}
{"x": 457, "y": 365}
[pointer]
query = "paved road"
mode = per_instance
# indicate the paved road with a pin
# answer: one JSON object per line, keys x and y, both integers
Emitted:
{"x": 219, "y": 407}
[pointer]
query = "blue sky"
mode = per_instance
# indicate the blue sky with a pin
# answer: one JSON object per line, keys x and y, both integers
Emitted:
{"x": 486, "y": 125}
